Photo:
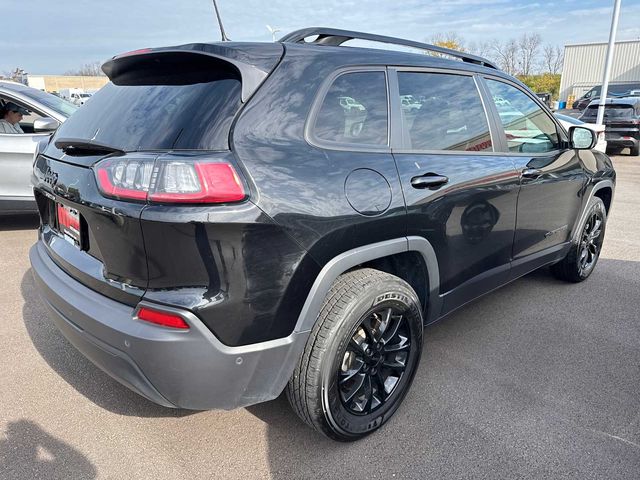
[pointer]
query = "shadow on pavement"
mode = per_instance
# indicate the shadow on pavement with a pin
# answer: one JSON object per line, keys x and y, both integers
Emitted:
{"x": 538, "y": 379}
{"x": 75, "y": 369}
{"x": 28, "y": 452}
{"x": 19, "y": 222}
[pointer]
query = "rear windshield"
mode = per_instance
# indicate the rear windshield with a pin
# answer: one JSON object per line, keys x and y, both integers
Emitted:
{"x": 611, "y": 111}
{"x": 179, "y": 103}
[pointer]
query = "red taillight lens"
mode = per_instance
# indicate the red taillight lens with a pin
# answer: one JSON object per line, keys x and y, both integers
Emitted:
{"x": 169, "y": 181}
{"x": 198, "y": 183}
{"x": 162, "y": 318}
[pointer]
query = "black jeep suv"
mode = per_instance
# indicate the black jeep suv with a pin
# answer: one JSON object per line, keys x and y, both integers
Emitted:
{"x": 217, "y": 226}
{"x": 621, "y": 120}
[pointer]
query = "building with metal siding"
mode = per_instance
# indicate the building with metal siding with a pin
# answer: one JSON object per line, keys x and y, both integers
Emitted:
{"x": 584, "y": 66}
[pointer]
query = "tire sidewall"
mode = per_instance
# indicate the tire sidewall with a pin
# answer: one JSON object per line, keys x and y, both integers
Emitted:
{"x": 379, "y": 295}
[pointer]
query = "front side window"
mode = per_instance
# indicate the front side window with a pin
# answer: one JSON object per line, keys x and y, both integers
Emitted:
{"x": 443, "y": 112}
{"x": 26, "y": 124}
{"x": 354, "y": 110}
{"x": 527, "y": 127}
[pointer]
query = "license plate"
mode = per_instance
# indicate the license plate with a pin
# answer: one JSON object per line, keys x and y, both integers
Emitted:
{"x": 69, "y": 223}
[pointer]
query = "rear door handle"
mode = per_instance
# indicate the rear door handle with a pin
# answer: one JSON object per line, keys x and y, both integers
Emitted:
{"x": 429, "y": 180}
{"x": 531, "y": 173}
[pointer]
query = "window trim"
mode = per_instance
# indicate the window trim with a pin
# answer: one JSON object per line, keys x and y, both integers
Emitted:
{"x": 310, "y": 123}
{"x": 562, "y": 145}
{"x": 399, "y": 141}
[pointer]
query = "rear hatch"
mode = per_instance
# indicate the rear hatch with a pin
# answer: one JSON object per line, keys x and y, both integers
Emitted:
{"x": 621, "y": 120}
{"x": 157, "y": 134}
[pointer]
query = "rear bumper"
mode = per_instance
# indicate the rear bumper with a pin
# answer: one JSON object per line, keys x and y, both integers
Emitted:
{"x": 619, "y": 142}
{"x": 181, "y": 369}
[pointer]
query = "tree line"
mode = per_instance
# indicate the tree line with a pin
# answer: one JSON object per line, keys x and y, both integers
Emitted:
{"x": 536, "y": 64}
{"x": 525, "y": 55}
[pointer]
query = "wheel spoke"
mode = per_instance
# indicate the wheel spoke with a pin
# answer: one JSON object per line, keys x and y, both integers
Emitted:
{"x": 356, "y": 347}
{"x": 368, "y": 393}
{"x": 402, "y": 344}
{"x": 366, "y": 325}
{"x": 584, "y": 253}
{"x": 596, "y": 230}
{"x": 351, "y": 372}
{"x": 395, "y": 364}
{"x": 391, "y": 332}
{"x": 351, "y": 392}
{"x": 381, "y": 387}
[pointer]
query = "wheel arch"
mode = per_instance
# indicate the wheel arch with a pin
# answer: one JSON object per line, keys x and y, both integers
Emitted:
{"x": 604, "y": 190}
{"x": 370, "y": 255}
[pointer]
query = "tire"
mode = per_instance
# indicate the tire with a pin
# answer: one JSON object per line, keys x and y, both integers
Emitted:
{"x": 335, "y": 361}
{"x": 635, "y": 150}
{"x": 575, "y": 267}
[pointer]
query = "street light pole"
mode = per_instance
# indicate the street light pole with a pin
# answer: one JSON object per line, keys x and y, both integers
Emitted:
{"x": 608, "y": 62}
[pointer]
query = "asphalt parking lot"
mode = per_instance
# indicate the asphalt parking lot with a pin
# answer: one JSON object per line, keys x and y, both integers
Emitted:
{"x": 540, "y": 379}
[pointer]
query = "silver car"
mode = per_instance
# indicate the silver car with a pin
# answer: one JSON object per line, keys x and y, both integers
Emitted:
{"x": 46, "y": 113}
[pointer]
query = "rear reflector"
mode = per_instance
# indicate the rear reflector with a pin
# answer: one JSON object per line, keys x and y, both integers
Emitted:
{"x": 169, "y": 180}
{"x": 162, "y": 318}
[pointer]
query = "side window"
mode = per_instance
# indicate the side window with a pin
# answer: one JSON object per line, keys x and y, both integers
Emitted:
{"x": 443, "y": 112}
{"x": 27, "y": 120}
{"x": 354, "y": 110}
{"x": 527, "y": 127}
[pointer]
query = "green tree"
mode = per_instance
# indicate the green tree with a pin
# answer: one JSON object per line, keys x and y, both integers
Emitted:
{"x": 542, "y": 83}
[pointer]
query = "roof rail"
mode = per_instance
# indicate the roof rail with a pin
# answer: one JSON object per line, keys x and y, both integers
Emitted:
{"x": 335, "y": 37}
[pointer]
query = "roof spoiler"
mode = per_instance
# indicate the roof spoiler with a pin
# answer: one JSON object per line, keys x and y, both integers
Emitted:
{"x": 336, "y": 37}
{"x": 251, "y": 76}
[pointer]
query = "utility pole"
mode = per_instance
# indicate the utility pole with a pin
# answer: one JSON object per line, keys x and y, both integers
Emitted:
{"x": 608, "y": 62}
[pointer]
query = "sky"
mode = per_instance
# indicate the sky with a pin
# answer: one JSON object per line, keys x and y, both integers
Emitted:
{"x": 45, "y": 37}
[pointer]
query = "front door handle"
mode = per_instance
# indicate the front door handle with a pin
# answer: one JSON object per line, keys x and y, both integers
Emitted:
{"x": 429, "y": 180}
{"x": 531, "y": 173}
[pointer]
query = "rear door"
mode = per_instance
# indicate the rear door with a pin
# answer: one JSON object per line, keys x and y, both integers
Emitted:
{"x": 551, "y": 175}
{"x": 460, "y": 191}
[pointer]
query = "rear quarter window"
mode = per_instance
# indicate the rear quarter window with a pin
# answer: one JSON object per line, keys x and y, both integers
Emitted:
{"x": 354, "y": 111}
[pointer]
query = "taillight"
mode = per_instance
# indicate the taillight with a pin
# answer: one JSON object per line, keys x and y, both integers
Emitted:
{"x": 169, "y": 180}
{"x": 161, "y": 318}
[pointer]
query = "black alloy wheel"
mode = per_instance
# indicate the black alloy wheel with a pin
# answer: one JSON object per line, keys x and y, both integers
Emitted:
{"x": 582, "y": 257}
{"x": 361, "y": 355}
{"x": 590, "y": 243}
{"x": 374, "y": 361}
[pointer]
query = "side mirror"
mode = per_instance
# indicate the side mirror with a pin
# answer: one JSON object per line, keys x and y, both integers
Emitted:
{"x": 582, "y": 138}
{"x": 45, "y": 124}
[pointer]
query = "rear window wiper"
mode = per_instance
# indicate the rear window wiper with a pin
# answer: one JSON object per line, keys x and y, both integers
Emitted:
{"x": 77, "y": 146}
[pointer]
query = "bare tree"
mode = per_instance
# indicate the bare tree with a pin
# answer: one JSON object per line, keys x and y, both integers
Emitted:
{"x": 88, "y": 69}
{"x": 528, "y": 46}
{"x": 552, "y": 58}
{"x": 482, "y": 49}
{"x": 507, "y": 55}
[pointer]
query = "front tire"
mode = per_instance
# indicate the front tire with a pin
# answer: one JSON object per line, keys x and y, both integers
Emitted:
{"x": 635, "y": 150}
{"x": 361, "y": 356}
{"x": 585, "y": 248}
